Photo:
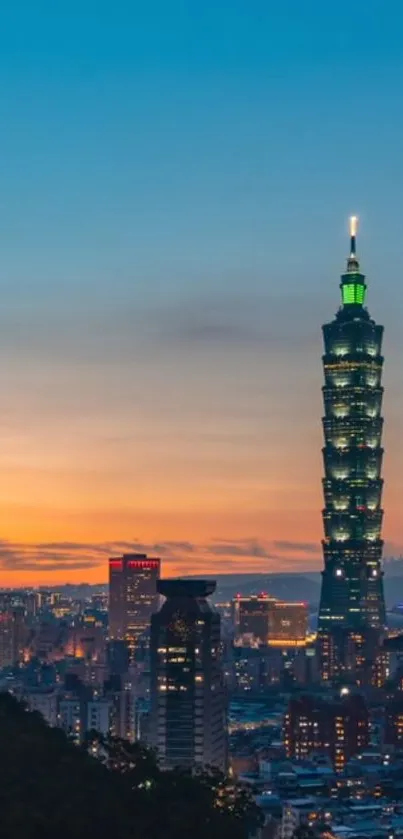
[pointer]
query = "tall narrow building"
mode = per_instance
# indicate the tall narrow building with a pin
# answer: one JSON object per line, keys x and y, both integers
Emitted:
{"x": 133, "y": 597}
{"x": 352, "y": 608}
{"x": 188, "y": 704}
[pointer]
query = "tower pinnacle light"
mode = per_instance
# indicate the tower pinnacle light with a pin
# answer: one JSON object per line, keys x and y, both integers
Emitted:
{"x": 353, "y": 234}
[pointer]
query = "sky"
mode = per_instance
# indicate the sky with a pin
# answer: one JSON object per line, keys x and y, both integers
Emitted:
{"x": 175, "y": 183}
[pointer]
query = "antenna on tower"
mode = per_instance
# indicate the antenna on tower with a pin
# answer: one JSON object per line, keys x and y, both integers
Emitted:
{"x": 353, "y": 235}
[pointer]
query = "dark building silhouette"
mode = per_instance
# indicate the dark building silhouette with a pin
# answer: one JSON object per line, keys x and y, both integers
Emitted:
{"x": 188, "y": 706}
{"x": 132, "y": 597}
{"x": 338, "y": 727}
{"x": 352, "y": 608}
{"x": 118, "y": 659}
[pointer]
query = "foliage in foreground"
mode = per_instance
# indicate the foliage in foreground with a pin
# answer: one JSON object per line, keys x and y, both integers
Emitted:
{"x": 49, "y": 787}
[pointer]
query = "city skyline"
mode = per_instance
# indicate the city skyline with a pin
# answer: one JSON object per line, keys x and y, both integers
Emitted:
{"x": 174, "y": 220}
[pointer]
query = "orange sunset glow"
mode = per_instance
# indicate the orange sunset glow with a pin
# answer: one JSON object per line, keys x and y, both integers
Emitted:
{"x": 214, "y": 476}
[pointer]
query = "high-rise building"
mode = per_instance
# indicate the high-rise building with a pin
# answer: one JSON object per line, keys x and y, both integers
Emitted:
{"x": 261, "y": 619}
{"x": 251, "y": 617}
{"x": 13, "y": 634}
{"x": 352, "y": 608}
{"x": 288, "y": 623}
{"x": 132, "y": 596}
{"x": 337, "y": 727}
{"x": 188, "y": 706}
{"x": 393, "y": 724}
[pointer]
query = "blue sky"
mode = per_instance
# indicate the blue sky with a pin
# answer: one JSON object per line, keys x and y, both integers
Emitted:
{"x": 175, "y": 181}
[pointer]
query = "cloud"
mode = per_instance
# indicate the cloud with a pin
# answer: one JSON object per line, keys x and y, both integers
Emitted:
{"x": 220, "y": 322}
{"x": 129, "y": 329}
{"x": 86, "y": 556}
{"x": 240, "y": 547}
{"x": 300, "y": 547}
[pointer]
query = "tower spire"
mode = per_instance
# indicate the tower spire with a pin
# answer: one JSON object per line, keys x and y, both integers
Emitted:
{"x": 352, "y": 262}
{"x": 353, "y": 234}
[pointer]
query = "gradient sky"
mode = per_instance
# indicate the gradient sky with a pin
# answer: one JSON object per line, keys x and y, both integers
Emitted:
{"x": 175, "y": 179}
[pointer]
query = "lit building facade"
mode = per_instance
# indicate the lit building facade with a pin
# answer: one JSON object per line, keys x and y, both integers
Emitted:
{"x": 72, "y": 717}
{"x": 352, "y": 608}
{"x": 251, "y": 615}
{"x": 188, "y": 704}
{"x": 133, "y": 596}
{"x": 261, "y": 620}
{"x": 288, "y": 623}
{"x": 337, "y": 727}
{"x": 13, "y": 634}
{"x": 393, "y": 724}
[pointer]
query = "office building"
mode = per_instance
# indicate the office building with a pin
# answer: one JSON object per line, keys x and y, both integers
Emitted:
{"x": 188, "y": 706}
{"x": 117, "y": 657}
{"x": 250, "y": 616}
{"x": 73, "y": 717}
{"x": 306, "y": 669}
{"x": 44, "y": 702}
{"x": 352, "y": 608}
{"x": 13, "y": 635}
{"x": 132, "y": 597}
{"x": 99, "y": 716}
{"x": 261, "y": 620}
{"x": 337, "y": 727}
{"x": 288, "y": 623}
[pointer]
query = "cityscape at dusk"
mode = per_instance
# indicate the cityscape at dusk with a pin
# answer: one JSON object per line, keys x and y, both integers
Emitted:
{"x": 201, "y": 447}
{"x": 175, "y": 192}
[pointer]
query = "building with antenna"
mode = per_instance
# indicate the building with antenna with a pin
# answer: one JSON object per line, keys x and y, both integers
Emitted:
{"x": 352, "y": 608}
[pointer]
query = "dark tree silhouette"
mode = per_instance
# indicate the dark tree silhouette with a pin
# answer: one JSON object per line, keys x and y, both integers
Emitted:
{"x": 49, "y": 787}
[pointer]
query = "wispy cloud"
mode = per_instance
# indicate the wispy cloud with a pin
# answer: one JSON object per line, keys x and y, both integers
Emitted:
{"x": 298, "y": 547}
{"x": 47, "y": 557}
{"x": 240, "y": 547}
{"x": 132, "y": 331}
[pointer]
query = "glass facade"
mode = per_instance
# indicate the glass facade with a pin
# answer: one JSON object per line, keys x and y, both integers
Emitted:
{"x": 352, "y": 609}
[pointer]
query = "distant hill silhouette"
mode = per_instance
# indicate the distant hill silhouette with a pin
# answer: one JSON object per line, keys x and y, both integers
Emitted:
{"x": 287, "y": 586}
{"x": 305, "y": 586}
{"x": 283, "y": 586}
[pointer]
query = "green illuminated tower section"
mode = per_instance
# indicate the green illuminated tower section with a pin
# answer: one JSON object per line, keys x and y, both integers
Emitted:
{"x": 352, "y": 608}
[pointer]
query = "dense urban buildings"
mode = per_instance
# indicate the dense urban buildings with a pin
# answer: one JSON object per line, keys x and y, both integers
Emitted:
{"x": 132, "y": 597}
{"x": 188, "y": 703}
{"x": 352, "y": 608}
{"x": 337, "y": 727}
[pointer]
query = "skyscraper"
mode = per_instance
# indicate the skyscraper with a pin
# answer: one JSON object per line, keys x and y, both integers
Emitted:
{"x": 133, "y": 596}
{"x": 352, "y": 608}
{"x": 188, "y": 707}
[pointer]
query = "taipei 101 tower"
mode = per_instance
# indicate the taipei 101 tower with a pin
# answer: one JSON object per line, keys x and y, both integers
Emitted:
{"x": 352, "y": 608}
